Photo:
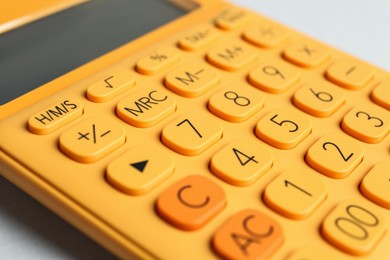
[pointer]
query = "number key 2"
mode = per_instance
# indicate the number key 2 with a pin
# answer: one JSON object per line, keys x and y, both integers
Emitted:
{"x": 335, "y": 155}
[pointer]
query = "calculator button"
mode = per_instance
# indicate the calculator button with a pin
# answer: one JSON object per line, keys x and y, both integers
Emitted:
{"x": 232, "y": 56}
{"x": 236, "y": 104}
{"x": 274, "y": 77}
{"x": 92, "y": 139}
{"x": 319, "y": 98}
{"x": 381, "y": 94}
{"x": 198, "y": 38}
{"x": 241, "y": 162}
{"x": 232, "y": 18}
{"x": 158, "y": 61}
{"x": 335, "y": 155}
{"x": 191, "y": 134}
{"x": 307, "y": 54}
{"x": 192, "y": 79}
{"x": 140, "y": 169}
{"x": 350, "y": 74}
{"x": 283, "y": 128}
{"x": 354, "y": 227}
{"x": 249, "y": 234}
{"x": 55, "y": 116}
{"x": 191, "y": 202}
{"x": 296, "y": 193}
{"x": 110, "y": 86}
{"x": 369, "y": 123}
{"x": 265, "y": 34}
{"x": 146, "y": 107}
{"x": 376, "y": 184}
{"x": 311, "y": 253}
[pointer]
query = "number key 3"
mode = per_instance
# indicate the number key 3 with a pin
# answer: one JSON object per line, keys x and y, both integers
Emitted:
{"x": 367, "y": 123}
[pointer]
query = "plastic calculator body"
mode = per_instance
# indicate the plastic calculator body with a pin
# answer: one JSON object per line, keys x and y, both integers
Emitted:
{"x": 221, "y": 134}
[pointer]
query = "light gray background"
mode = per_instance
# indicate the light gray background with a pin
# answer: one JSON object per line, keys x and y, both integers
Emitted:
{"x": 360, "y": 27}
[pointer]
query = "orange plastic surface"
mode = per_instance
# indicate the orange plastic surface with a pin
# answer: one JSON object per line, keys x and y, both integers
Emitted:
{"x": 79, "y": 189}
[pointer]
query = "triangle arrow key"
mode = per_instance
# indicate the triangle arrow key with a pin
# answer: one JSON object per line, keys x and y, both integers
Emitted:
{"x": 140, "y": 166}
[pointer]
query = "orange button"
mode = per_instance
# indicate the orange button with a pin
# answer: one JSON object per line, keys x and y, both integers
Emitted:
{"x": 55, "y": 116}
{"x": 296, "y": 193}
{"x": 319, "y": 98}
{"x": 335, "y": 155}
{"x": 381, "y": 94}
{"x": 192, "y": 79}
{"x": 307, "y": 54}
{"x": 249, "y": 234}
{"x": 355, "y": 227}
{"x": 146, "y": 108}
{"x": 273, "y": 77}
{"x": 351, "y": 74}
{"x": 266, "y": 34}
{"x": 191, "y": 202}
{"x": 232, "y": 56}
{"x": 140, "y": 169}
{"x": 191, "y": 134}
{"x": 236, "y": 104}
{"x": 111, "y": 86}
{"x": 92, "y": 139}
{"x": 376, "y": 184}
{"x": 232, "y": 18}
{"x": 241, "y": 162}
{"x": 283, "y": 128}
{"x": 198, "y": 38}
{"x": 158, "y": 61}
{"x": 368, "y": 123}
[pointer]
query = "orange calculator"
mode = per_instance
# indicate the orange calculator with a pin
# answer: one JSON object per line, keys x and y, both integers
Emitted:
{"x": 194, "y": 129}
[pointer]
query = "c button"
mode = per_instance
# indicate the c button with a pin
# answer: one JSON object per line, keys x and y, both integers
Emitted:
{"x": 191, "y": 203}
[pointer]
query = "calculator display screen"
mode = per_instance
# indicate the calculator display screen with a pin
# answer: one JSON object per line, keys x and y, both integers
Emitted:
{"x": 43, "y": 50}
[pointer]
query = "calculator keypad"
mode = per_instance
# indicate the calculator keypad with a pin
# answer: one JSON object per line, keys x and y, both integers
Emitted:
{"x": 255, "y": 116}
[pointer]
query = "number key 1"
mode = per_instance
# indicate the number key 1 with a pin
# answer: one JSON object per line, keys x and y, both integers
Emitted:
{"x": 295, "y": 193}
